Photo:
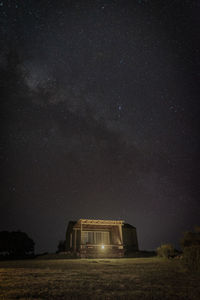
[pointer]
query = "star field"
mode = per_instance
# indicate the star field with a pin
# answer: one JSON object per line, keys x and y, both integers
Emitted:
{"x": 100, "y": 116}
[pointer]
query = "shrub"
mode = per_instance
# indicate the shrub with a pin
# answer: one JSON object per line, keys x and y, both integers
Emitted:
{"x": 191, "y": 249}
{"x": 191, "y": 258}
{"x": 61, "y": 246}
{"x": 16, "y": 244}
{"x": 166, "y": 250}
{"x": 190, "y": 239}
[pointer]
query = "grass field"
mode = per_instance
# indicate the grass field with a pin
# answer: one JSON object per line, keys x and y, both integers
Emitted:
{"x": 128, "y": 278}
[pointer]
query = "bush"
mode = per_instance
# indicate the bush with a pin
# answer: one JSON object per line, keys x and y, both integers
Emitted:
{"x": 191, "y": 258}
{"x": 61, "y": 246}
{"x": 166, "y": 250}
{"x": 190, "y": 239}
{"x": 16, "y": 244}
{"x": 191, "y": 249}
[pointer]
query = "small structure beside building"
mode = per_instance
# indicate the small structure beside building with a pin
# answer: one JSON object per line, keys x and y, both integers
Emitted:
{"x": 100, "y": 238}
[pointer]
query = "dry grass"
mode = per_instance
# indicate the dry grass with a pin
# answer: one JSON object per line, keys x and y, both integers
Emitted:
{"x": 131, "y": 278}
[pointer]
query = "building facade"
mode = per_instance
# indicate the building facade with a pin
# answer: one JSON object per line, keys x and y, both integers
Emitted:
{"x": 100, "y": 238}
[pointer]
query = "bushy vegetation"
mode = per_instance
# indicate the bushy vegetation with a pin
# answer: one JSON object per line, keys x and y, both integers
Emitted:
{"x": 61, "y": 246}
{"x": 191, "y": 238}
{"x": 191, "y": 249}
{"x": 15, "y": 244}
{"x": 166, "y": 250}
{"x": 191, "y": 257}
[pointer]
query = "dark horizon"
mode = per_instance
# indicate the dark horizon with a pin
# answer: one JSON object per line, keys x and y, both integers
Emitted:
{"x": 100, "y": 117}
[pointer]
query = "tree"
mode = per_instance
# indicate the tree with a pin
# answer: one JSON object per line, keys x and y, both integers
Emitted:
{"x": 61, "y": 246}
{"x": 16, "y": 244}
{"x": 190, "y": 244}
{"x": 190, "y": 239}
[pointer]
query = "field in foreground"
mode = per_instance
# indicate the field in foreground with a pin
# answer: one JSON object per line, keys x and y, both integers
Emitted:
{"x": 128, "y": 278}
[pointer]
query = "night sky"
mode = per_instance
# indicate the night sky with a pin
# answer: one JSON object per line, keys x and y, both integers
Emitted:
{"x": 99, "y": 116}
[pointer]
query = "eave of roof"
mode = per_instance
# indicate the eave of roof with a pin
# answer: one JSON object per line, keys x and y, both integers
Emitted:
{"x": 99, "y": 222}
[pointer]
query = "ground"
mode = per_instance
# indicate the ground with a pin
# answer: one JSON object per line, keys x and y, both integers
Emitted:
{"x": 126, "y": 278}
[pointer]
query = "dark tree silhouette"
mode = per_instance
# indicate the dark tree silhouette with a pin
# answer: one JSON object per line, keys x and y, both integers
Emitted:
{"x": 61, "y": 246}
{"x": 16, "y": 244}
{"x": 191, "y": 239}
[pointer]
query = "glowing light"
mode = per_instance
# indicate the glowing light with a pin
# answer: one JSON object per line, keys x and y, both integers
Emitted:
{"x": 102, "y": 247}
